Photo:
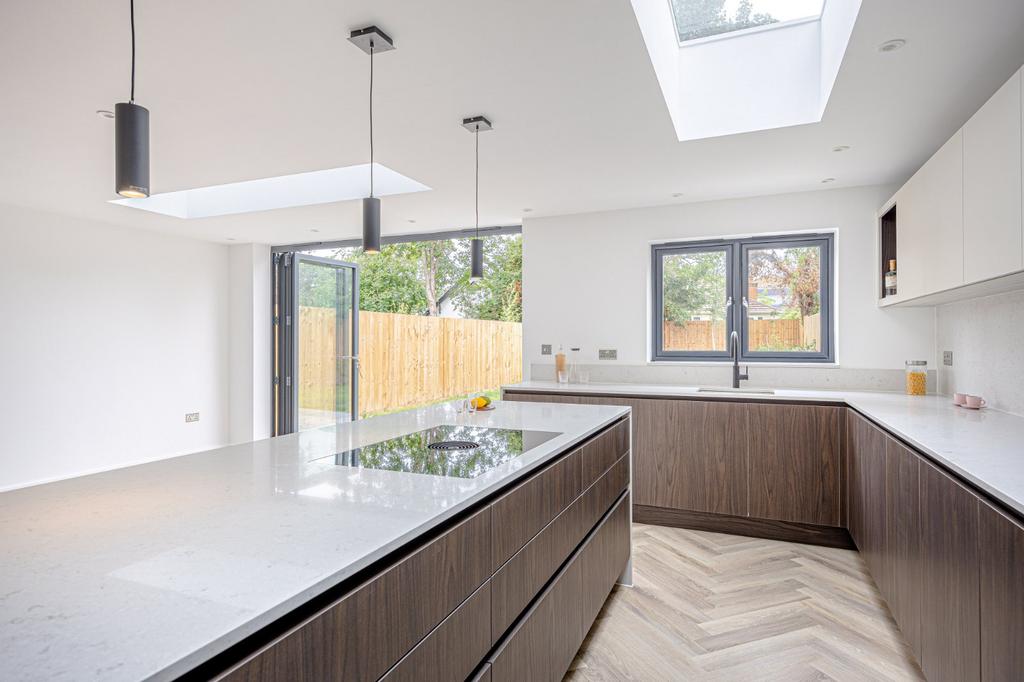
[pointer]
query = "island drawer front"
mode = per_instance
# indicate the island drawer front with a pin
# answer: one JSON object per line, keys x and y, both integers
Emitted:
{"x": 454, "y": 649}
{"x": 522, "y": 512}
{"x": 544, "y": 642}
{"x": 363, "y": 634}
{"x": 603, "y": 451}
{"x": 517, "y": 582}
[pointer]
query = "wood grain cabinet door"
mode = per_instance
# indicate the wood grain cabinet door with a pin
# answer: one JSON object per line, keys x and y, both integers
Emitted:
{"x": 691, "y": 454}
{"x": 1001, "y": 544}
{"x": 950, "y": 638}
{"x": 795, "y": 463}
{"x": 866, "y": 475}
{"x": 903, "y": 563}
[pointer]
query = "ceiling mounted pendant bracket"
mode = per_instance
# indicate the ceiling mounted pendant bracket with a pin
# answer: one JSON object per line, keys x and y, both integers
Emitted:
{"x": 363, "y": 37}
{"x": 476, "y": 124}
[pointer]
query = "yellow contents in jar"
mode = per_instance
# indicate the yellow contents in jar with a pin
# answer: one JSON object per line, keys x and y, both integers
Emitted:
{"x": 917, "y": 383}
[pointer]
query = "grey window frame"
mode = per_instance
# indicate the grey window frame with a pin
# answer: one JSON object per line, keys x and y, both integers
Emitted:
{"x": 737, "y": 270}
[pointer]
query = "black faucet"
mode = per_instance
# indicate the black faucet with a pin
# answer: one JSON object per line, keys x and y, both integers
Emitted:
{"x": 734, "y": 352}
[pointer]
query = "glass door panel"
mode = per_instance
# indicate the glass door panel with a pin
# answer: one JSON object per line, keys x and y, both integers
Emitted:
{"x": 326, "y": 341}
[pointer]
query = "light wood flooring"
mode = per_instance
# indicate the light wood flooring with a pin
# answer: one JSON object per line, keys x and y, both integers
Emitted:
{"x": 708, "y": 606}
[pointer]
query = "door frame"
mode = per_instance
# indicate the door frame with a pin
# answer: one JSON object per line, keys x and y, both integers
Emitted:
{"x": 286, "y": 331}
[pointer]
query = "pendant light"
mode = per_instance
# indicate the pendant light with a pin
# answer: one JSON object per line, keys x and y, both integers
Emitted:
{"x": 131, "y": 139}
{"x": 476, "y": 125}
{"x": 370, "y": 40}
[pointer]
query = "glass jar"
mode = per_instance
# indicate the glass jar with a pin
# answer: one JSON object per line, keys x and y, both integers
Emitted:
{"x": 917, "y": 377}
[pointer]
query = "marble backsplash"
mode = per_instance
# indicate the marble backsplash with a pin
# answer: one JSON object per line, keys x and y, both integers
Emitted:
{"x": 985, "y": 337}
{"x": 762, "y": 376}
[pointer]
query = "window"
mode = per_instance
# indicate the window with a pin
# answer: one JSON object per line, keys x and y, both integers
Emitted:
{"x": 704, "y": 18}
{"x": 774, "y": 292}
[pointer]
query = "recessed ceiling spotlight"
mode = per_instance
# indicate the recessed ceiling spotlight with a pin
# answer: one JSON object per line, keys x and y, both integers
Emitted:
{"x": 892, "y": 45}
{"x": 313, "y": 229}
{"x": 411, "y": 220}
{"x": 827, "y": 180}
{"x": 527, "y": 210}
{"x": 841, "y": 148}
{"x": 676, "y": 195}
{"x": 230, "y": 239}
{"x": 105, "y": 113}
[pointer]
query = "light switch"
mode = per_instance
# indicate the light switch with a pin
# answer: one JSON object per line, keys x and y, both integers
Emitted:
{"x": 545, "y": 349}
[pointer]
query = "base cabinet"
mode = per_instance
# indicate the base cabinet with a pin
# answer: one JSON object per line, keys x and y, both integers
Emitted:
{"x": 904, "y": 562}
{"x": 950, "y": 637}
{"x": 1002, "y": 595}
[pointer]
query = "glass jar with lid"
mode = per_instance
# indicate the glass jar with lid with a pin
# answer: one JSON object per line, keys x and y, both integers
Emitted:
{"x": 917, "y": 377}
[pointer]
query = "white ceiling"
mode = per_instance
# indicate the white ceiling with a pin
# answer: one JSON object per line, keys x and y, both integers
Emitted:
{"x": 240, "y": 90}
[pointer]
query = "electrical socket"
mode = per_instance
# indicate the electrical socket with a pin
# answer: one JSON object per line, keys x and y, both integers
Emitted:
{"x": 947, "y": 358}
{"x": 545, "y": 349}
{"x": 608, "y": 354}
{"x": 191, "y": 417}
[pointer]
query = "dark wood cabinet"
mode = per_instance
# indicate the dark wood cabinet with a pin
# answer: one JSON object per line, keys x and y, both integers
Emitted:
{"x": 454, "y": 649}
{"x": 519, "y": 514}
{"x": 902, "y": 560}
{"x": 795, "y": 454}
{"x": 950, "y": 637}
{"x": 866, "y": 474}
{"x": 363, "y": 634}
{"x": 1001, "y": 545}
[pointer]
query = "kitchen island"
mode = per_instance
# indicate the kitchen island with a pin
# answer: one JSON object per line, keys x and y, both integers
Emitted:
{"x": 292, "y": 558}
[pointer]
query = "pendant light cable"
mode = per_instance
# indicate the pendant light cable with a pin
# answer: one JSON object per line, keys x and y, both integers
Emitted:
{"x": 371, "y": 118}
{"x": 476, "y": 134}
{"x": 131, "y": 14}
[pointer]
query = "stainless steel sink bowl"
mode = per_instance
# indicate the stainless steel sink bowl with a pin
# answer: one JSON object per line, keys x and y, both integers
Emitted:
{"x": 742, "y": 390}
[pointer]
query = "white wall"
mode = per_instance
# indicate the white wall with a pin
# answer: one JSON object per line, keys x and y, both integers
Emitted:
{"x": 250, "y": 361}
{"x": 586, "y": 277}
{"x": 984, "y": 335}
{"x": 110, "y": 335}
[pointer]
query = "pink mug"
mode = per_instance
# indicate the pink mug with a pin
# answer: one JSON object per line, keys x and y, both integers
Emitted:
{"x": 975, "y": 401}
{"x": 959, "y": 398}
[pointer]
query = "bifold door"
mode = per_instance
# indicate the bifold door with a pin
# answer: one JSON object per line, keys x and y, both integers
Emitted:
{"x": 316, "y": 342}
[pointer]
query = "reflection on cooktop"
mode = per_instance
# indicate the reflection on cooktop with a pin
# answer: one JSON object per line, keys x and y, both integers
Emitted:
{"x": 446, "y": 450}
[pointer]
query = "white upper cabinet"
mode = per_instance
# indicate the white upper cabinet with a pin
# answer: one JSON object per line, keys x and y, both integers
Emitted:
{"x": 930, "y": 226}
{"x": 992, "y": 186}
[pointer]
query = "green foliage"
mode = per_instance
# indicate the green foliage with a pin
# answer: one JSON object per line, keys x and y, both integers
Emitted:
{"x": 702, "y": 18}
{"x": 797, "y": 270}
{"x": 500, "y": 295}
{"x": 411, "y": 278}
{"x": 693, "y": 284}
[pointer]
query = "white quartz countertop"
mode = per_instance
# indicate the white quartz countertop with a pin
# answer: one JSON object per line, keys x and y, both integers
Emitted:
{"x": 145, "y": 572}
{"x": 985, "y": 447}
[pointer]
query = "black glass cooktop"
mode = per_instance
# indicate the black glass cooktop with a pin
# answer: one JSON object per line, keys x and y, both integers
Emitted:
{"x": 457, "y": 451}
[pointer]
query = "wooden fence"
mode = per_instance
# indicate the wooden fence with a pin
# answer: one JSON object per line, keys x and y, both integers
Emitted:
{"x": 764, "y": 334}
{"x": 407, "y": 360}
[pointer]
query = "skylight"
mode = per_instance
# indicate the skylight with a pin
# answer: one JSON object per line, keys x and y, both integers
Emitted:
{"x": 284, "y": 191}
{"x": 696, "y": 19}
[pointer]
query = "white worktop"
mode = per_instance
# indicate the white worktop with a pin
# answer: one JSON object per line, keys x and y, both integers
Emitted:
{"x": 985, "y": 447}
{"x": 146, "y": 571}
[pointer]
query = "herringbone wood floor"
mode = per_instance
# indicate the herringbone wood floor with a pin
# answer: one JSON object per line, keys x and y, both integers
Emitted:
{"x": 707, "y": 606}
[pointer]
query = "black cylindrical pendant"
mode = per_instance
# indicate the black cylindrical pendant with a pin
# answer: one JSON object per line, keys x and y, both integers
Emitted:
{"x": 371, "y": 225}
{"x": 476, "y": 266}
{"x": 131, "y": 140}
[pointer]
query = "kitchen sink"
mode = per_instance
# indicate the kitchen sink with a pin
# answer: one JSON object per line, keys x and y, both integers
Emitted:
{"x": 742, "y": 390}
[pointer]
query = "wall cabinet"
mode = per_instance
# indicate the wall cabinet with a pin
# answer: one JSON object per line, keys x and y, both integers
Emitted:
{"x": 930, "y": 227}
{"x": 992, "y": 186}
{"x": 959, "y": 217}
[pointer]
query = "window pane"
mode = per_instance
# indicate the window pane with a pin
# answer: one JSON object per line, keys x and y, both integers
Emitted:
{"x": 693, "y": 296}
{"x": 703, "y": 18}
{"x": 784, "y": 299}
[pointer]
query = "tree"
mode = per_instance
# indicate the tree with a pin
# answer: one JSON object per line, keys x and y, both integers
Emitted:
{"x": 500, "y": 295}
{"x": 795, "y": 270}
{"x": 702, "y": 18}
{"x": 693, "y": 284}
